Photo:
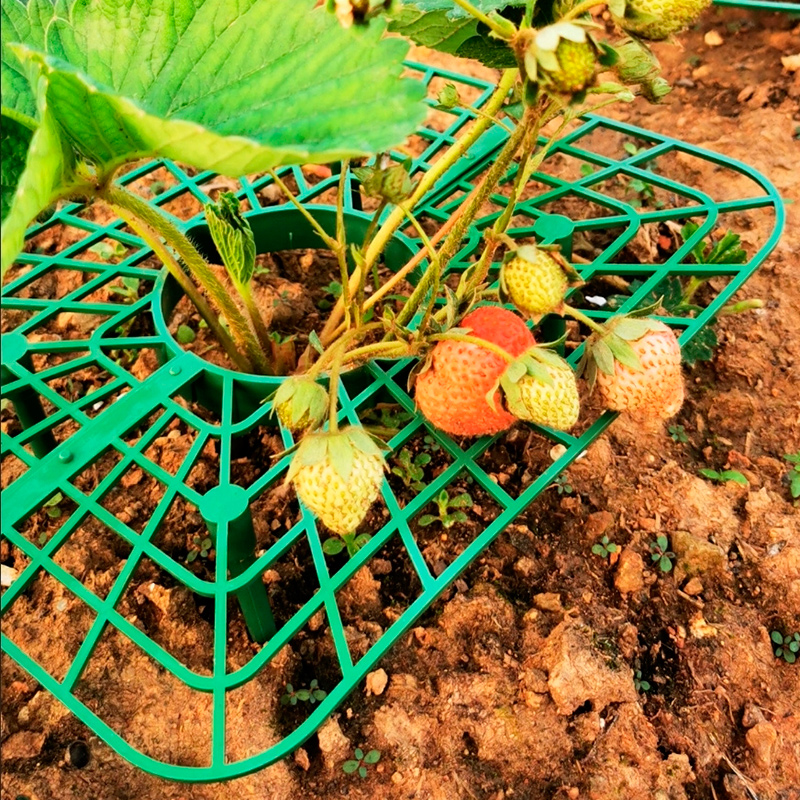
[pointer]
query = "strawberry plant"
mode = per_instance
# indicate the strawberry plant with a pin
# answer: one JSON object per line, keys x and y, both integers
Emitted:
{"x": 480, "y": 369}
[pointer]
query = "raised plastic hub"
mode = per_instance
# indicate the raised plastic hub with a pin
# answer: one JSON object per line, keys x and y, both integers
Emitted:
{"x": 61, "y": 435}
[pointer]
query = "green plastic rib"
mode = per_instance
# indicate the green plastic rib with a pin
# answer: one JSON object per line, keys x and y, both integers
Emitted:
{"x": 57, "y": 435}
{"x": 792, "y": 7}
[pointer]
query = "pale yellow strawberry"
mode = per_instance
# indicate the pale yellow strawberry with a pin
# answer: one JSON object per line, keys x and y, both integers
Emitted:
{"x": 657, "y": 390}
{"x": 555, "y": 405}
{"x": 659, "y": 19}
{"x": 338, "y": 476}
{"x": 534, "y": 281}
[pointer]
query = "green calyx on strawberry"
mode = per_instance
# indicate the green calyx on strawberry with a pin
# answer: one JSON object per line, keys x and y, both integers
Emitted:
{"x": 540, "y": 387}
{"x": 338, "y": 476}
{"x": 386, "y": 180}
{"x": 636, "y": 367}
{"x": 655, "y": 19}
{"x": 562, "y": 58}
{"x": 300, "y": 403}
{"x": 637, "y": 65}
{"x": 535, "y": 279}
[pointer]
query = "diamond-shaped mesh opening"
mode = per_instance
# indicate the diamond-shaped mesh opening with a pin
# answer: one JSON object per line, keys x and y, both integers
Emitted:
{"x": 82, "y": 382}
{"x": 205, "y": 471}
{"x": 107, "y": 250}
{"x": 134, "y": 498}
{"x": 132, "y": 436}
{"x": 151, "y": 183}
{"x": 169, "y": 449}
{"x": 181, "y": 532}
{"x": 517, "y": 459}
{"x": 275, "y": 511}
{"x": 442, "y": 535}
{"x": 120, "y": 289}
{"x": 13, "y": 318}
{"x": 264, "y": 440}
{"x": 55, "y": 238}
{"x": 184, "y": 206}
{"x": 89, "y": 478}
{"x": 40, "y": 526}
{"x": 415, "y": 464}
{"x": 69, "y": 325}
{"x": 125, "y": 687}
{"x": 171, "y": 615}
{"x": 54, "y": 283}
{"x": 49, "y": 623}
{"x": 613, "y": 144}
{"x": 94, "y": 554}
{"x": 11, "y": 468}
{"x": 291, "y": 579}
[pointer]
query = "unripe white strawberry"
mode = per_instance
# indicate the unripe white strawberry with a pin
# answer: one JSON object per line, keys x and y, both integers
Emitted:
{"x": 535, "y": 280}
{"x": 338, "y": 475}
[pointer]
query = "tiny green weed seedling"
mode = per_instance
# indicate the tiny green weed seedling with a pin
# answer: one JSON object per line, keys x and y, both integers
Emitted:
{"x": 660, "y": 552}
{"x": 185, "y": 334}
{"x": 388, "y": 418}
{"x": 604, "y": 548}
{"x": 444, "y": 503}
{"x": 430, "y": 444}
{"x": 128, "y": 290}
{"x": 410, "y": 469}
{"x": 105, "y": 251}
{"x": 312, "y": 695}
{"x": 562, "y": 484}
{"x": 639, "y": 683}
{"x": 786, "y": 647}
{"x": 333, "y": 291}
{"x": 358, "y": 764}
{"x": 351, "y": 541}
{"x": 645, "y": 192}
{"x": 678, "y": 434}
{"x": 792, "y": 477}
{"x": 724, "y": 476}
{"x": 200, "y": 547}
{"x": 51, "y": 507}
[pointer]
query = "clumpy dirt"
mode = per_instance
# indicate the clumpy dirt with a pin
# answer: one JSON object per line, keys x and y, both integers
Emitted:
{"x": 546, "y": 672}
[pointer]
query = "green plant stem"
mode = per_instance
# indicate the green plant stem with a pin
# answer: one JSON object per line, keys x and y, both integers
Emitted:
{"x": 586, "y": 320}
{"x": 380, "y": 350}
{"x": 373, "y": 223}
{"x": 121, "y": 199}
{"x": 481, "y": 17}
{"x": 429, "y": 282}
{"x": 333, "y": 388}
{"x": 341, "y": 248}
{"x": 692, "y": 285}
{"x": 582, "y": 8}
{"x": 257, "y": 321}
{"x": 483, "y": 114}
{"x": 190, "y": 290}
{"x": 741, "y": 307}
{"x": 395, "y": 219}
{"x": 463, "y": 337}
{"x": 330, "y": 242}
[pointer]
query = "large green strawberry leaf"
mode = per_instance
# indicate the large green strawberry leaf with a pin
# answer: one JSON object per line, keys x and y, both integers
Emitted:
{"x": 231, "y": 87}
{"x": 15, "y": 139}
{"x": 445, "y": 26}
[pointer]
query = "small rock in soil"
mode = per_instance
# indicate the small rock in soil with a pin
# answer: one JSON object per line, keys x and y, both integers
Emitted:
{"x": 597, "y": 524}
{"x": 301, "y": 759}
{"x": 548, "y": 601}
{"x": 761, "y": 740}
{"x": 24, "y": 744}
{"x": 629, "y": 575}
{"x": 376, "y": 682}
{"x": 693, "y": 587}
{"x": 697, "y": 556}
{"x": 333, "y": 744}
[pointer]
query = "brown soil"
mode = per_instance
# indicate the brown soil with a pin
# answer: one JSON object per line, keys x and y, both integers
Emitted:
{"x": 520, "y": 682}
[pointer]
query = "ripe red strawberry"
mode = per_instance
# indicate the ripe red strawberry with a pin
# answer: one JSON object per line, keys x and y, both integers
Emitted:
{"x": 338, "y": 475}
{"x": 452, "y": 392}
{"x": 655, "y": 388}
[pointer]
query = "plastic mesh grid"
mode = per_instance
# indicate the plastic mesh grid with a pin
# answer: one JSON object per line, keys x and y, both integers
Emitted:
{"x": 791, "y": 7}
{"x": 114, "y": 427}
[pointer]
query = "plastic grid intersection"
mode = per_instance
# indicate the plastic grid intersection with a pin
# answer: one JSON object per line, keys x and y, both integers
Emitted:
{"x": 103, "y": 419}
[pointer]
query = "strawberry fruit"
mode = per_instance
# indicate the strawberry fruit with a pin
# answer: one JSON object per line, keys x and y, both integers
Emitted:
{"x": 535, "y": 279}
{"x": 451, "y": 393}
{"x": 636, "y": 367}
{"x": 656, "y": 19}
{"x": 541, "y": 387}
{"x": 338, "y": 475}
{"x": 300, "y": 403}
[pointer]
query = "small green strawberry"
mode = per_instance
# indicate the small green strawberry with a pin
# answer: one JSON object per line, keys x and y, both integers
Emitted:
{"x": 300, "y": 403}
{"x": 636, "y": 367}
{"x": 338, "y": 475}
{"x": 540, "y": 387}
{"x": 656, "y": 19}
{"x": 638, "y": 65}
{"x": 562, "y": 58}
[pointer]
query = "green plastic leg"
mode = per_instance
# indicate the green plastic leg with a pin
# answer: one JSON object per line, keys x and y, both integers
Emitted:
{"x": 26, "y": 402}
{"x": 229, "y": 504}
{"x": 555, "y": 229}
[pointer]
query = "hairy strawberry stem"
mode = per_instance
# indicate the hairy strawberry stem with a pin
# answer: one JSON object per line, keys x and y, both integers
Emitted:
{"x": 476, "y": 340}
{"x": 121, "y": 199}
{"x": 582, "y": 8}
{"x": 481, "y": 17}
